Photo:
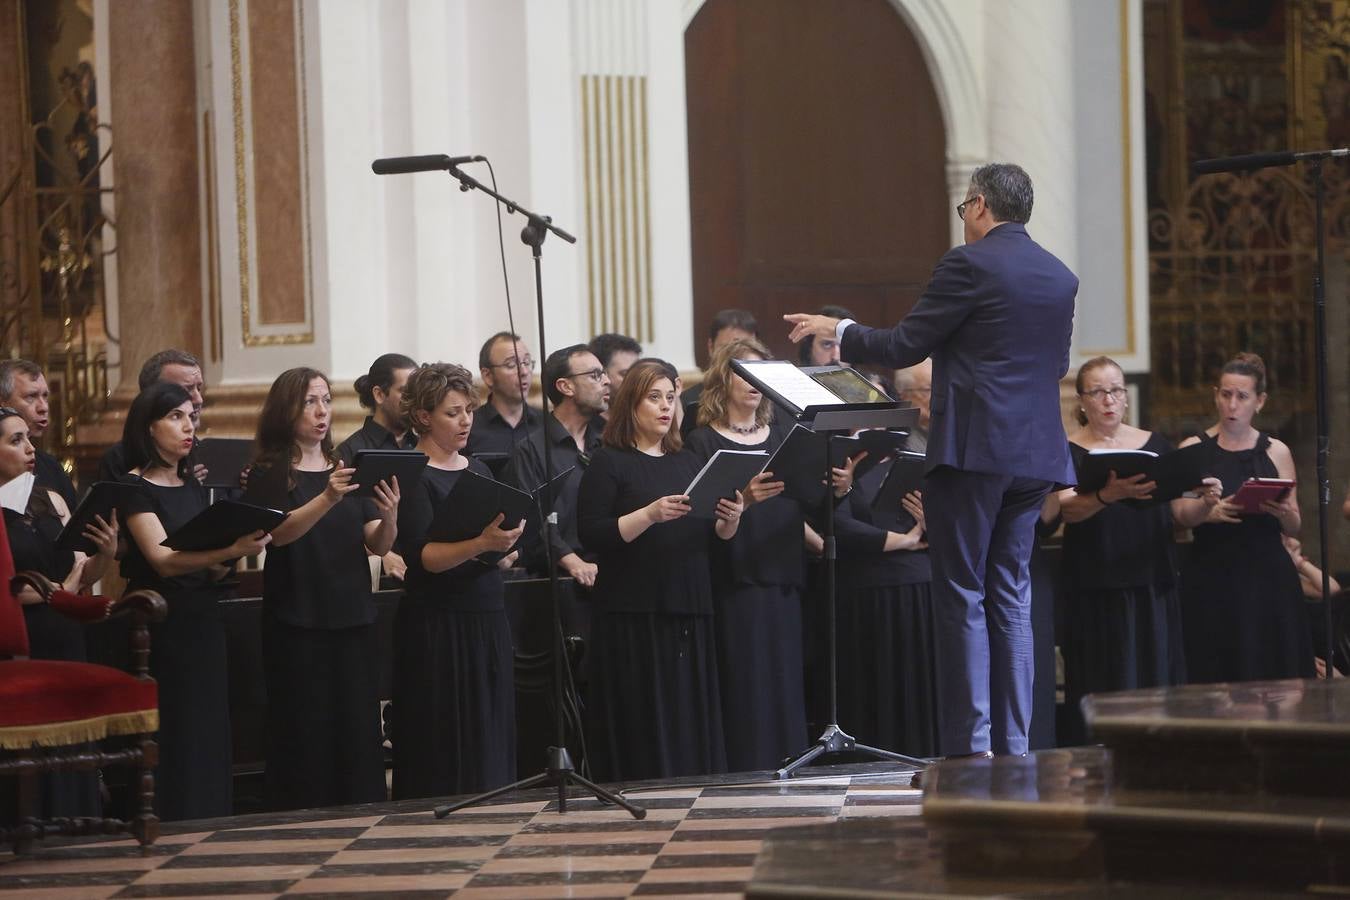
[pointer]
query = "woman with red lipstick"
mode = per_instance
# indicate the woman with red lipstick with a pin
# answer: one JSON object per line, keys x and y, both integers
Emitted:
{"x": 1241, "y": 603}
{"x": 32, "y": 543}
{"x": 454, "y": 719}
{"x": 318, "y": 626}
{"x": 1122, "y": 612}
{"x": 654, "y": 708}
{"x": 194, "y": 772}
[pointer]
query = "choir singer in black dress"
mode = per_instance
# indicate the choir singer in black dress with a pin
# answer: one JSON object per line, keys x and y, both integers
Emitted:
{"x": 1122, "y": 611}
{"x": 655, "y": 709}
{"x": 189, "y": 662}
{"x": 318, "y": 625}
{"x": 454, "y": 720}
{"x": 757, "y": 576}
{"x": 1241, "y": 604}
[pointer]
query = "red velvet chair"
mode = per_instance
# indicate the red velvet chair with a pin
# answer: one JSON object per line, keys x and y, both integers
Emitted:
{"x": 51, "y": 711}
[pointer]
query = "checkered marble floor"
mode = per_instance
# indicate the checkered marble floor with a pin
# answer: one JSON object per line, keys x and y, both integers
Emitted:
{"x": 697, "y": 840}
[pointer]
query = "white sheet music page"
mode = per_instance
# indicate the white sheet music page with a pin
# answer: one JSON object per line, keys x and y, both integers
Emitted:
{"x": 793, "y": 384}
{"x": 14, "y": 494}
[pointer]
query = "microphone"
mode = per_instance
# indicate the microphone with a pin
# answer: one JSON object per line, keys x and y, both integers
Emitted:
{"x": 1260, "y": 160}
{"x": 403, "y": 165}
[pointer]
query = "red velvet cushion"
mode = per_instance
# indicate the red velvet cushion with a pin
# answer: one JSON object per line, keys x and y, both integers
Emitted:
{"x": 41, "y": 692}
{"x": 13, "y": 629}
{"x": 81, "y": 607}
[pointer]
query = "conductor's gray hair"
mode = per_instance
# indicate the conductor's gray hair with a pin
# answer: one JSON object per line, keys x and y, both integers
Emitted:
{"x": 1006, "y": 189}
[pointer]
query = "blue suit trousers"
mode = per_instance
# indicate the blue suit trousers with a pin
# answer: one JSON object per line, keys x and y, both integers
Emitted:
{"x": 981, "y": 529}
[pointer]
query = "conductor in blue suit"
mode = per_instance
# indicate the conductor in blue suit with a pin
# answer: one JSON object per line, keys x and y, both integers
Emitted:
{"x": 996, "y": 317}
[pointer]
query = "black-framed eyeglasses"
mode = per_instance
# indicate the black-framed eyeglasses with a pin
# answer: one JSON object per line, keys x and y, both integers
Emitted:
{"x": 514, "y": 365}
{"x": 961, "y": 207}
{"x": 595, "y": 375}
{"x": 1099, "y": 394}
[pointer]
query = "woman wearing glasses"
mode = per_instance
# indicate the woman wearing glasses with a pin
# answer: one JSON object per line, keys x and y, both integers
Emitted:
{"x": 654, "y": 709}
{"x": 1120, "y": 570}
{"x": 1241, "y": 602}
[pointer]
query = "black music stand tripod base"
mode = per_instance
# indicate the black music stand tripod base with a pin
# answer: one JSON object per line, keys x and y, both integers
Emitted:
{"x": 559, "y": 772}
{"x": 835, "y": 740}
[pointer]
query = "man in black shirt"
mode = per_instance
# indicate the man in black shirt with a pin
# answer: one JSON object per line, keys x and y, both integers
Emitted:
{"x": 617, "y": 353}
{"x": 178, "y": 367}
{"x": 505, "y": 420}
{"x": 381, "y": 391}
{"x": 23, "y": 387}
{"x": 578, "y": 391}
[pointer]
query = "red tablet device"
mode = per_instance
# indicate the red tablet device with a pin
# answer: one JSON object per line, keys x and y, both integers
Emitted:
{"x": 1255, "y": 491}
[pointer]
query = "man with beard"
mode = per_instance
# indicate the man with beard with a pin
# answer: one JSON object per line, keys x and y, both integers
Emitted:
{"x": 578, "y": 391}
{"x": 505, "y": 419}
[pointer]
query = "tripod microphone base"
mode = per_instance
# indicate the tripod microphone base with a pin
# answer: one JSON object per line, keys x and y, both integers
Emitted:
{"x": 560, "y": 773}
{"x": 836, "y": 740}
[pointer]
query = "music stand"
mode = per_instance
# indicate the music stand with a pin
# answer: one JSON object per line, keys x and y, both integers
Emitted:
{"x": 826, "y": 400}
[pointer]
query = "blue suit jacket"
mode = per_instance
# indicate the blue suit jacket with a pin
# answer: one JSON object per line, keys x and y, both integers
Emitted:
{"x": 996, "y": 317}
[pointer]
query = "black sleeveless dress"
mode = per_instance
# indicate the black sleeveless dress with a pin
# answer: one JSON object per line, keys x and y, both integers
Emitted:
{"x": 188, "y": 660}
{"x": 1242, "y": 609}
{"x": 1122, "y": 611}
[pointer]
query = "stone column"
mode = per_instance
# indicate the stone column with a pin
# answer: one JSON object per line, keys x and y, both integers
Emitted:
{"x": 1028, "y": 53}
{"x": 153, "y": 75}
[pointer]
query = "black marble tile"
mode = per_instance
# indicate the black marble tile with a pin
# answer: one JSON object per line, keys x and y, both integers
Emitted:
{"x": 102, "y": 851}
{"x": 245, "y": 860}
{"x": 429, "y": 843}
{"x": 439, "y": 867}
{"x": 591, "y": 805}
{"x": 531, "y": 851}
{"x": 597, "y": 827}
{"x": 787, "y": 788}
{"x": 457, "y": 819}
{"x": 65, "y": 880}
{"x": 377, "y": 895}
{"x": 885, "y": 800}
{"x": 691, "y": 887}
{"x": 703, "y": 860}
{"x": 284, "y": 834}
{"x": 528, "y": 879}
{"x": 718, "y": 834}
{"x": 762, "y": 812}
{"x": 206, "y": 889}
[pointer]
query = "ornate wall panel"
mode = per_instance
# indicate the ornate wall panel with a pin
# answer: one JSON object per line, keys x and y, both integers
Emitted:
{"x": 611, "y": 52}
{"x": 270, "y": 126}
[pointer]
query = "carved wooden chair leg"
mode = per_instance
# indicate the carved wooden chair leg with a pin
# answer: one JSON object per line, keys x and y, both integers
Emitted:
{"x": 29, "y": 799}
{"x": 145, "y": 826}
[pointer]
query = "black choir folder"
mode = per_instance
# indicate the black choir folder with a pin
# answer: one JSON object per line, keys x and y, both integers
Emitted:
{"x": 102, "y": 499}
{"x": 725, "y": 473}
{"x": 374, "y": 466}
{"x": 879, "y": 444}
{"x": 472, "y": 503}
{"x": 221, "y": 524}
{"x": 224, "y": 458}
{"x": 1176, "y": 473}
{"x": 906, "y": 475}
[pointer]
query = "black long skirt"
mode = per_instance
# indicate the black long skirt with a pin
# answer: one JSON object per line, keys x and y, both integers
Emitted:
{"x": 888, "y": 665}
{"x": 1118, "y": 639}
{"x": 454, "y": 716}
{"x": 654, "y": 709}
{"x": 194, "y": 778}
{"x": 759, "y": 669}
{"x": 323, "y": 716}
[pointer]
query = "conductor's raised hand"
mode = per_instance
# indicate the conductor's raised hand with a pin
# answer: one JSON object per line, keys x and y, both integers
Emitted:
{"x": 387, "y": 497}
{"x": 731, "y": 510}
{"x": 340, "y": 484}
{"x": 1132, "y": 488}
{"x": 762, "y": 487}
{"x": 806, "y": 325}
{"x": 250, "y": 544}
{"x": 667, "y": 509}
{"x": 497, "y": 539}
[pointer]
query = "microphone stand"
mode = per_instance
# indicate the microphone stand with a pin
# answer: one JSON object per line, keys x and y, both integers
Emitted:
{"x": 558, "y": 769}
{"x": 1314, "y": 159}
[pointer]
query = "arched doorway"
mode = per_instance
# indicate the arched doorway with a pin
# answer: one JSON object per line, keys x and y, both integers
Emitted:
{"x": 816, "y": 161}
